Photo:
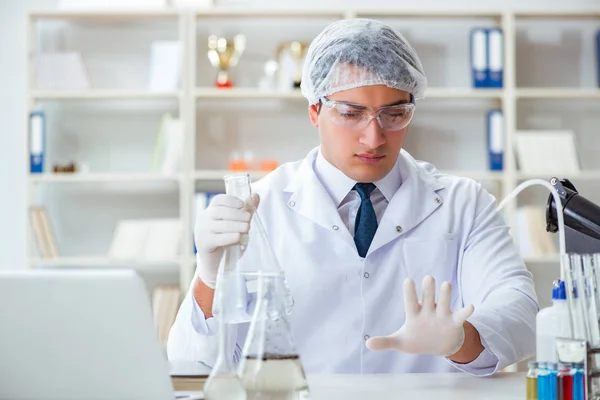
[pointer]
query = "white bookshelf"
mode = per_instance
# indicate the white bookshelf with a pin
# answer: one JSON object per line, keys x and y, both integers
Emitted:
{"x": 195, "y": 100}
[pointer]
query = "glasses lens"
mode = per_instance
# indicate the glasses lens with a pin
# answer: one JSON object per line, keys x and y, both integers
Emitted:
{"x": 396, "y": 118}
{"x": 355, "y": 117}
{"x": 348, "y": 116}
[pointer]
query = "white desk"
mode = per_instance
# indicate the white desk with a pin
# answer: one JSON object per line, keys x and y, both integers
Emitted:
{"x": 451, "y": 386}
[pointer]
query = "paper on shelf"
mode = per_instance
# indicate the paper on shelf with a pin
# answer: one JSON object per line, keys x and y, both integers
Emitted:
{"x": 61, "y": 71}
{"x": 546, "y": 152}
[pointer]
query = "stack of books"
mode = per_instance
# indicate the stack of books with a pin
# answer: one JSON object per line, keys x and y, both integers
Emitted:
{"x": 188, "y": 375}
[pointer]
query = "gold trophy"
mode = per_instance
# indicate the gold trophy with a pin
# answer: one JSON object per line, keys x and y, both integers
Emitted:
{"x": 224, "y": 54}
{"x": 291, "y": 55}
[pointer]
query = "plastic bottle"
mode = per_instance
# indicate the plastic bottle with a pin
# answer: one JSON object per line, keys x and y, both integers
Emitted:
{"x": 552, "y": 322}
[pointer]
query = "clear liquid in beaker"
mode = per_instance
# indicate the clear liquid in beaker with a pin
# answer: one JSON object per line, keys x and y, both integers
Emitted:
{"x": 274, "y": 377}
{"x": 224, "y": 387}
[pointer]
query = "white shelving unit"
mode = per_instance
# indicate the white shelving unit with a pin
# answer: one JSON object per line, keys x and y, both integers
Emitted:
{"x": 196, "y": 99}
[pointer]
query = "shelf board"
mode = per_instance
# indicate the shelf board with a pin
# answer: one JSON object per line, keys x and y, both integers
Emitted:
{"x": 255, "y": 93}
{"x": 424, "y": 13}
{"x": 361, "y": 12}
{"x": 562, "y": 14}
{"x": 463, "y": 93}
{"x": 218, "y": 174}
{"x": 104, "y": 94}
{"x": 590, "y": 175}
{"x": 239, "y": 12}
{"x": 476, "y": 175}
{"x": 541, "y": 259}
{"x": 246, "y": 93}
{"x": 101, "y": 177}
{"x": 154, "y": 13}
{"x": 558, "y": 93}
{"x": 108, "y": 14}
{"x": 82, "y": 262}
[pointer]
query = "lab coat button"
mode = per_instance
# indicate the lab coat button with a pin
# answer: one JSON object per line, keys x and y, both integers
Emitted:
{"x": 438, "y": 200}
{"x": 367, "y": 337}
{"x": 399, "y": 229}
{"x": 292, "y": 203}
{"x": 335, "y": 227}
{"x": 366, "y": 275}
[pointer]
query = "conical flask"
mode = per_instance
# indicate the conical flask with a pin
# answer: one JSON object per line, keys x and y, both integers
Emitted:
{"x": 241, "y": 263}
{"x": 270, "y": 368}
{"x": 236, "y": 292}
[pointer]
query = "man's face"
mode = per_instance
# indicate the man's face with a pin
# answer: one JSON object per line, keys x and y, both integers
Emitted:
{"x": 366, "y": 154}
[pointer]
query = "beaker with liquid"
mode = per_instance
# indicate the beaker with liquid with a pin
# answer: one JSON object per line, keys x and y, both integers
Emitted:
{"x": 270, "y": 368}
{"x": 223, "y": 383}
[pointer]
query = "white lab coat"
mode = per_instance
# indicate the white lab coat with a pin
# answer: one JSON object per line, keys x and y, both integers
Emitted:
{"x": 435, "y": 224}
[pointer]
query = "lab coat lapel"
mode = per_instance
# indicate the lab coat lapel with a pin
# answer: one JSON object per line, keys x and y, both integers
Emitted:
{"x": 310, "y": 199}
{"x": 412, "y": 203}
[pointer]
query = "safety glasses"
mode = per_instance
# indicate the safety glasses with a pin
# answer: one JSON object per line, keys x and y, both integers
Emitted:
{"x": 357, "y": 116}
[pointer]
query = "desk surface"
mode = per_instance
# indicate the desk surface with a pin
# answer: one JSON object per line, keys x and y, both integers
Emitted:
{"x": 459, "y": 386}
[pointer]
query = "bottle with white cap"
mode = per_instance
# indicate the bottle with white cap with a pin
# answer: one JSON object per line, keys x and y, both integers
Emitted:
{"x": 552, "y": 322}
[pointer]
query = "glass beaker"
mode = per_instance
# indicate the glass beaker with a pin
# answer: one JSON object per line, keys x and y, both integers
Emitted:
{"x": 270, "y": 368}
{"x": 223, "y": 383}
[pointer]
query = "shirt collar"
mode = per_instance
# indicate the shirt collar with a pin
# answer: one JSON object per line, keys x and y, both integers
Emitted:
{"x": 338, "y": 185}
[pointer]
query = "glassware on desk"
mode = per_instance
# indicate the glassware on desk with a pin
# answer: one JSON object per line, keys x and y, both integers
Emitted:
{"x": 237, "y": 290}
{"x": 532, "y": 376}
{"x": 270, "y": 368}
{"x": 240, "y": 264}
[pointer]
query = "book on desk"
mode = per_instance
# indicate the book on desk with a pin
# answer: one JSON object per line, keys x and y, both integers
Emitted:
{"x": 188, "y": 375}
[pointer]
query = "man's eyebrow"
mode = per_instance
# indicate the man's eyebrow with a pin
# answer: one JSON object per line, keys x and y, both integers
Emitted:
{"x": 397, "y": 103}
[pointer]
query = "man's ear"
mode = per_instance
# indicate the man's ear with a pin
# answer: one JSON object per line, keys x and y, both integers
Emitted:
{"x": 313, "y": 113}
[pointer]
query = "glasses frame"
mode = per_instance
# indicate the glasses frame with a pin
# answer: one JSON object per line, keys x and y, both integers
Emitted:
{"x": 374, "y": 112}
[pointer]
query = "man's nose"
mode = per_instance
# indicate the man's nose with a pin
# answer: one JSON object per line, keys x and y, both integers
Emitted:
{"x": 373, "y": 135}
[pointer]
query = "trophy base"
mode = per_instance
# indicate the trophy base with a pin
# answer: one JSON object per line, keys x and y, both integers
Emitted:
{"x": 223, "y": 79}
{"x": 227, "y": 84}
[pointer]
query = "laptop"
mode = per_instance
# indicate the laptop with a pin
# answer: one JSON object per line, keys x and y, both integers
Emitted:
{"x": 80, "y": 334}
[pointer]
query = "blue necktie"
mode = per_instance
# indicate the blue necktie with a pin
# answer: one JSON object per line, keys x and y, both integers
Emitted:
{"x": 366, "y": 220}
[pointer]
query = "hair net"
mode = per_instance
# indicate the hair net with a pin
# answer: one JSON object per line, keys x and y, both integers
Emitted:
{"x": 360, "y": 52}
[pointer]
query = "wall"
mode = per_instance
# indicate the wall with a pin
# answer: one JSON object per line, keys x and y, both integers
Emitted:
{"x": 12, "y": 102}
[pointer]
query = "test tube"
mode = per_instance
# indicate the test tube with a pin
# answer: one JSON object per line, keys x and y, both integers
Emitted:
{"x": 542, "y": 381}
{"x": 565, "y": 382}
{"x": 578, "y": 381}
{"x": 592, "y": 264}
{"x": 575, "y": 294}
{"x": 532, "y": 381}
{"x": 552, "y": 381}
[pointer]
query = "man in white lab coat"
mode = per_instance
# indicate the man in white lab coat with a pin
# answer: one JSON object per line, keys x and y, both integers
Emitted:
{"x": 367, "y": 235}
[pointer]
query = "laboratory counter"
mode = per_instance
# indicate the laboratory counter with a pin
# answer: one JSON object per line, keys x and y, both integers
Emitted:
{"x": 459, "y": 386}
